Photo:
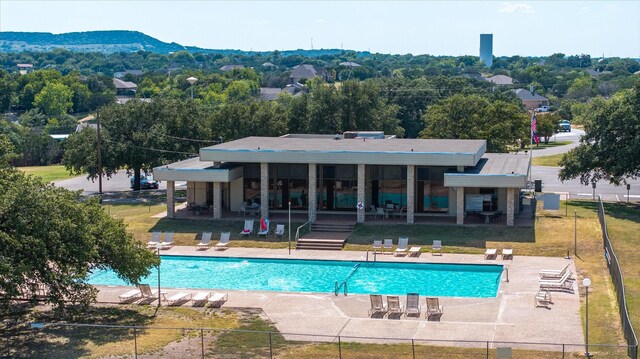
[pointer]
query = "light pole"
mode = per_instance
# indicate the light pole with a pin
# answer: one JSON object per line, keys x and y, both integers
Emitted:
{"x": 575, "y": 233}
{"x": 192, "y": 80}
{"x": 628, "y": 189}
{"x": 586, "y": 283}
{"x": 289, "y": 227}
{"x": 593, "y": 185}
{"x": 158, "y": 251}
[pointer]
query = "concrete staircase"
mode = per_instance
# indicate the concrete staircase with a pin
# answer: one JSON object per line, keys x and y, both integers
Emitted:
{"x": 326, "y": 236}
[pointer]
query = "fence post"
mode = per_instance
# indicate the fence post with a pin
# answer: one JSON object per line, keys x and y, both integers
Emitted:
{"x": 487, "y": 349}
{"x": 562, "y": 351}
{"x": 270, "y": 347}
{"x": 339, "y": 348}
{"x": 202, "y": 341}
{"x": 135, "y": 342}
{"x": 413, "y": 348}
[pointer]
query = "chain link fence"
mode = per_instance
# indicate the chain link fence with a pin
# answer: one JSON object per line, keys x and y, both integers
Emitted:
{"x": 66, "y": 340}
{"x": 618, "y": 282}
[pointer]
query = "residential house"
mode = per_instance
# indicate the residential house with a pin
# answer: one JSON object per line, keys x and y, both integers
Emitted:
{"x": 226, "y": 68}
{"x": 530, "y": 100}
{"x": 121, "y": 74}
{"x": 500, "y": 80}
{"x": 306, "y": 72}
{"x": 349, "y": 64}
{"x": 25, "y": 68}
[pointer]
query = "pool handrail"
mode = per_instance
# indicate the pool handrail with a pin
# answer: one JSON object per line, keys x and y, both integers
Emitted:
{"x": 298, "y": 230}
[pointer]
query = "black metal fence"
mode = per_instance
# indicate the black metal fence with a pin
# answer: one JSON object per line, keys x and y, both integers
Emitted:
{"x": 68, "y": 340}
{"x": 618, "y": 283}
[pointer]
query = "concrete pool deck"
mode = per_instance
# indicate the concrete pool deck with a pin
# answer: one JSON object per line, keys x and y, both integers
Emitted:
{"x": 509, "y": 317}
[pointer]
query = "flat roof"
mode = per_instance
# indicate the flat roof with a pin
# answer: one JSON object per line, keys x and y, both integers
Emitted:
{"x": 493, "y": 170}
{"x": 427, "y": 152}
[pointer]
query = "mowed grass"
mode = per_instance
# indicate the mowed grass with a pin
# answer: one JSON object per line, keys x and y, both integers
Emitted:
{"x": 551, "y": 160}
{"x": 47, "y": 173}
{"x": 552, "y": 235}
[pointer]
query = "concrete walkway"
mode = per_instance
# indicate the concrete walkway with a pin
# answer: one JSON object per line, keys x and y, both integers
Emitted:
{"x": 509, "y": 317}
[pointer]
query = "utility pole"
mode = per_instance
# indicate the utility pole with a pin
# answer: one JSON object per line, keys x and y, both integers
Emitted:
{"x": 99, "y": 157}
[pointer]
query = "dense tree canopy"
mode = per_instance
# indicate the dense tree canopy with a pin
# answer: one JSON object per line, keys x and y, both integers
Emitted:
{"x": 50, "y": 240}
{"x": 610, "y": 148}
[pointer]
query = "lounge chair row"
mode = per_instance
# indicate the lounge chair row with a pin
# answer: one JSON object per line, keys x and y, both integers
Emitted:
{"x": 205, "y": 241}
{"x": 492, "y": 253}
{"x": 156, "y": 243}
{"x": 264, "y": 229}
{"x": 401, "y": 250}
{"x": 412, "y": 308}
{"x": 144, "y": 295}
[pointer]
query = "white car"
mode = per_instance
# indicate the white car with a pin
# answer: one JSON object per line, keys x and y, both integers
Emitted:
{"x": 542, "y": 109}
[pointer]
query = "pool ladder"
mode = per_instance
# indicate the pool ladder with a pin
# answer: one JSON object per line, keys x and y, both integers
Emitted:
{"x": 344, "y": 283}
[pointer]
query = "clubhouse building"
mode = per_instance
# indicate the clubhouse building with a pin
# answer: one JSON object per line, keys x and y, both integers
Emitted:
{"x": 353, "y": 174}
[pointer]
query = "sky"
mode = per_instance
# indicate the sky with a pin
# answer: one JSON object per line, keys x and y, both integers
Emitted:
{"x": 529, "y": 28}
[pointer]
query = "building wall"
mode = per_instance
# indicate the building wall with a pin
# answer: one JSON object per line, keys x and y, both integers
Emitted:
{"x": 236, "y": 191}
{"x": 199, "y": 193}
{"x": 530, "y": 105}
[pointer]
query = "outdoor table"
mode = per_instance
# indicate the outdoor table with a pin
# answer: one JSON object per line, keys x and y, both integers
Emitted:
{"x": 487, "y": 215}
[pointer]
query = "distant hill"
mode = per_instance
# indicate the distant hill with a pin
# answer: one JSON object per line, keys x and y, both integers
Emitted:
{"x": 118, "y": 41}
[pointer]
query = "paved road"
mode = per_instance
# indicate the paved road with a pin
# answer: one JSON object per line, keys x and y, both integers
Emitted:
{"x": 117, "y": 183}
{"x": 573, "y": 136}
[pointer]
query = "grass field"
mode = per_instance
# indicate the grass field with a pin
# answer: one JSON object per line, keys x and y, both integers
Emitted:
{"x": 552, "y": 160}
{"x": 552, "y": 235}
{"x": 47, "y": 173}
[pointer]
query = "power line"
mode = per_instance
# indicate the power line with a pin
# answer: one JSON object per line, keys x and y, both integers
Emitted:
{"x": 151, "y": 149}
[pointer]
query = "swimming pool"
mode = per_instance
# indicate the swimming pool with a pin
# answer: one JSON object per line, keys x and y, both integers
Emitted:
{"x": 319, "y": 276}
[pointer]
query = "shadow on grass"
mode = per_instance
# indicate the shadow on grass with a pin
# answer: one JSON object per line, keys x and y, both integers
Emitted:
{"x": 59, "y": 341}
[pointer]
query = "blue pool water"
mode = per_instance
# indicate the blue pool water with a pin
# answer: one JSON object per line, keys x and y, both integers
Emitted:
{"x": 285, "y": 275}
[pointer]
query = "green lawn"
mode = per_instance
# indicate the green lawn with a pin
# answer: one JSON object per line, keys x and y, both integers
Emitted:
{"x": 552, "y": 160}
{"x": 47, "y": 173}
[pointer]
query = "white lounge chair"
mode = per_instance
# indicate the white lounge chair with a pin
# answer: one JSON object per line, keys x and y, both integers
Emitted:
{"x": 200, "y": 299}
{"x": 377, "y": 245}
{"x": 168, "y": 241}
{"x": 415, "y": 251}
{"x": 248, "y": 228}
{"x": 563, "y": 284}
{"x": 542, "y": 299}
{"x": 264, "y": 230}
{"x": 224, "y": 241}
{"x": 155, "y": 240}
{"x": 393, "y": 305}
{"x": 387, "y": 244}
{"x": 279, "y": 232}
{"x": 403, "y": 243}
{"x": 148, "y": 295}
{"x": 507, "y": 253}
{"x": 130, "y": 296}
{"x": 434, "y": 309}
{"x": 216, "y": 300}
{"x": 413, "y": 304}
{"x": 491, "y": 253}
{"x": 377, "y": 305}
{"x": 436, "y": 248}
{"x": 179, "y": 298}
{"x": 205, "y": 241}
{"x": 554, "y": 274}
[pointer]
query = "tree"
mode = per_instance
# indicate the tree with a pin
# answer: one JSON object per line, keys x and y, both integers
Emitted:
{"x": 547, "y": 124}
{"x": 611, "y": 144}
{"x": 499, "y": 122}
{"x": 51, "y": 239}
{"x": 7, "y": 151}
{"x": 55, "y": 99}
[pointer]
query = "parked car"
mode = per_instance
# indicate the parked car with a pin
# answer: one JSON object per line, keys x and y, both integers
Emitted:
{"x": 146, "y": 182}
{"x": 564, "y": 126}
{"x": 542, "y": 109}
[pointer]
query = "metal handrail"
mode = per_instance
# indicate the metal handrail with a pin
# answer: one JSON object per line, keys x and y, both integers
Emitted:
{"x": 298, "y": 230}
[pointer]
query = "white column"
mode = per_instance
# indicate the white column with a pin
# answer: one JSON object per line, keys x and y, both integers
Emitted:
{"x": 510, "y": 206}
{"x": 411, "y": 192}
{"x": 217, "y": 200}
{"x": 171, "y": 204}
{"x": 361, "y": 180}
{"x": 264, "y": 189}
{"x": 460, "y": 205}
{"x": 312, "y": 201}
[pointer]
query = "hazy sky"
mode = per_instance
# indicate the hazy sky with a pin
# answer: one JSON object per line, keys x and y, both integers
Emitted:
{"x": 417, "y": 27}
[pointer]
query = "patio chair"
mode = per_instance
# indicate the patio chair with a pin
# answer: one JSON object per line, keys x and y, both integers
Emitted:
{"x": 379, "y": 212}
{"x": 242, "y": 209}
{"x": 377, "y": 245}
{"x": 554, "y": 274}
{"x": 491, "y": 253}
{"x": 436, "y": 248}
{"x": 434, "y": 309}
{"x": 563, "y": 284}
{"x": 264, "y": 227}
{"x": 542, "y": 299}
{"x": 224, "y": 241}
{"x": 403, "y": 243}
{"x": 400, "y": 212}
{"x": 393, "y": 305}
{"x": 179, "y": 298}
{"x": 200, "y": 299}
{"x": 413, "y": 305}
{"x": 279, "y": 232}
{"x": 205, "y": 241}
{"x": 372, "y": 211}
{"x": 507, "y": 253}
{"x": 155, "y": 240}
{"x": 148, "y": 295}
{"x": 168, "y": 241}
{"x": 377, "y": 305}
{"x": 216, "y": 300}
{"x": 248, "y": 228}
{"x": 387, "y": 244}
{"x": 129, "y": 296}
